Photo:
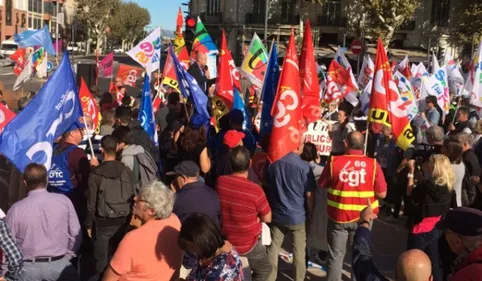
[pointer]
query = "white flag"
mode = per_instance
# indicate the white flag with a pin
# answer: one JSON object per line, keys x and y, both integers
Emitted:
{"x": 41, "y": 67}
{"x": 25, "y": 74}
{"x": 417, "y": 77}
{"x": 343, "y": 61}
{"x": 407, "y": 94}
{"x": 476, "y": 75}
{"x": 455, "y": 78}
{"x": 435, "y": 65}
{"x": 437, "y": 86}
{"x": 148, "y": 52}
{"x": 366, "y": 73}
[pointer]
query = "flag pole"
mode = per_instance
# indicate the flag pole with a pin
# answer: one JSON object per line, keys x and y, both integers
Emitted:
{"x": 88, "y": 138}
{"x": 366, "y": 137}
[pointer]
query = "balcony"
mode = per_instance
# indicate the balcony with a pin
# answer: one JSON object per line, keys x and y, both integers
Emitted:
{"x": 332, "y": 21}
{"x": 256, "y": 18}
{"x": 409, "y": 25}
{"x": 211, "y": 19}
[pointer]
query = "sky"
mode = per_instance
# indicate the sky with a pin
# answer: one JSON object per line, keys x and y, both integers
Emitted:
{"x": 163, "y": 12}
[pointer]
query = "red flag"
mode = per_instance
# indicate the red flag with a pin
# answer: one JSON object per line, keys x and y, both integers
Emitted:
{"x": 19, "y": 57}
{"x": 310, "y": 87}
{"x": 112, "y": 88}
{"x": 338, "y": 82}
{"x": 156, "y": 103}
{"x": 386, "y": 105}
{"x": 287, "y": 114}
{"x": 129, "y": 74}
{"x": 170, "y": 76}
{"x": 107, "y": 64}
{"x": 404, "y": 68}
{"x": 5, "y": 116}
{"x": 179, "y": 21}
{"x": 224, "y": 85}
{"x": 89, "y": 104}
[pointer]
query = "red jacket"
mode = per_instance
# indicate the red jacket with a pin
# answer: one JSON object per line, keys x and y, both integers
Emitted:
{"x": 470, "y": 269}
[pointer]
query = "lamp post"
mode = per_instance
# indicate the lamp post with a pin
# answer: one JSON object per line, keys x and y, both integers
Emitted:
{"x": 266, "y": 13}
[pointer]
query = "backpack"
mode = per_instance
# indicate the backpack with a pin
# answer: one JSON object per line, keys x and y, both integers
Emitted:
{"x": 114, "y": 196}
{"x": 469, "y": 189}
{"x": 60, "y": 179}
{"x": 145, "y": 169}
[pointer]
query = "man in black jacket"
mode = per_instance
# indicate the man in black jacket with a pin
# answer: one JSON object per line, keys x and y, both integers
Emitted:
{"x": 199, "y": 70}
{"x": 111, "y": 190}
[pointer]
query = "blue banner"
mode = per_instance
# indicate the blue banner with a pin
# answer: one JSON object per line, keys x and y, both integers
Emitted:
{"x": 190, "y": 89}
{"x": 146, "y": 113}
{"x": 40, "y": 37}
{"x": 269, "y": 92}
{"x": 29, "y": 137}
{"x": 239, "y": 104}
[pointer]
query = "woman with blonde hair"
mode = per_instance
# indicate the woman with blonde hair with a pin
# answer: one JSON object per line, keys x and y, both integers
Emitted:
{"x": 431, "y": 197}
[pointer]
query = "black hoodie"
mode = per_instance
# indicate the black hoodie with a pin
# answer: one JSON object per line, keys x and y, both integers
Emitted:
{"x": 108, "y": 169}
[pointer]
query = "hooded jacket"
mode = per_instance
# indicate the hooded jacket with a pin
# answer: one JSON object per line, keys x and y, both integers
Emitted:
{"x": 128, "y": 153}
{"x": 108, "y": 169}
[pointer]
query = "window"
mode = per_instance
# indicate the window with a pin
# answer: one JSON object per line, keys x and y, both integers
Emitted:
{"x": 259, "y": 10}
{"x": 440, "y": 12}
{"x": 213, "y": 7}
{"x": 29, "y": 22}
{"x": 287, "y": 11}
{"x": 48, "y": 8}
{"x": 331, "y": 15}
{"x": 8, "y": 12}
{"x": 30, "y": 5}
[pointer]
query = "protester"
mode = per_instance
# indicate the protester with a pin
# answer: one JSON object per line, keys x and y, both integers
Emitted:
{"x": 332, "y": 113}
{"x": 150, "y": 252}
{"x": 244, "y": 207}
{"x": 453, "y": 150}
{"x": 463, "y": 231}
{"x": 135, "y": 157}
{"x": 121, "y": 93}
{"x": 12, "y": 253}
{"x": 127, "y": 101}
{"x": 462, "y": 122}
{"x": 173, "y": 106}
{"x": 432, "y": 114}
{"x": 473, "y": 169}
{"x": 343, "y": 175}
{"x": 339, "y": 131}
{"x": 192, "y": 146}
{"x": 109, "y": 198}
{"x": 290, "y": 184}
{"x": 46, "y": 228}
{"x": 107, "y": 102}
{"x": 431, "y": 199}
{"x": 217, "y": 259}
{"x": 107, "y": 123}
{"x": 200, "y": 72}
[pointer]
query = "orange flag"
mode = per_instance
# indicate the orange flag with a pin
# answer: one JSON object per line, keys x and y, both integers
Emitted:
{"x": 386, "y": 105}
{"x": 89, "y": 104}
{"x": 179, "y": 21}
{"x": 224, "y": 85}
{"x": 287, "y": 133}
{"x": 179, "y": 44}
{"x": 310, "y": 87}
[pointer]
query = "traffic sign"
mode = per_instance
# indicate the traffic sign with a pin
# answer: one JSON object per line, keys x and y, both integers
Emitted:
{"x": 50, "y": 66}
{"x": 356, "y": 47}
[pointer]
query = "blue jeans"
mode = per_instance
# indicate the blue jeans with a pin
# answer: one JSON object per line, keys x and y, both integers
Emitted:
{"x": 428, "y": 242}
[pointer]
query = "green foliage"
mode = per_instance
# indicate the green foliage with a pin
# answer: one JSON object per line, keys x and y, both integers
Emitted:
{"x": 128, "y": 22}
{"x": 469, "y": 23}
{"x": 95, "y": 15}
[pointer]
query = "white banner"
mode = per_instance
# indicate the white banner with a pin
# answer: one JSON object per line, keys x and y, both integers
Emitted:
{"x": 148, "y": 52}
{"x": 366, "y": 73}
{"x": 317, "y": 133}
{"x": 407, "y": 94}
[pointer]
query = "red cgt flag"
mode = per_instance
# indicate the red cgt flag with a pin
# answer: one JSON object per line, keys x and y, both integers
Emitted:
{"x": 5, "y": 116}
{"x": 386, "y": 106}
{"x": 224, "y": 85}
{"x": 19, "y": 57}
{"x": 287, "y": 133}
{"x": 129, "y": 74}
{"x": 170, "y": 76}
{"x": 310, "y": 87}
{"x": 89, "y": 104}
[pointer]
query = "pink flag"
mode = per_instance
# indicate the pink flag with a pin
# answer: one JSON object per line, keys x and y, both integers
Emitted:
{"x": 58, "y": 46}
{"x": 107, "y": 64}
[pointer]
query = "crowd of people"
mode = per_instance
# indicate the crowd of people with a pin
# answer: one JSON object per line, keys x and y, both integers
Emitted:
{"x": 208, "y": 205}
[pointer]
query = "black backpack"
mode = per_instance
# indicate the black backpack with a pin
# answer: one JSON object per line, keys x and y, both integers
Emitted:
{"x": 469, "y": 189}
{"x": 115, "y": 196}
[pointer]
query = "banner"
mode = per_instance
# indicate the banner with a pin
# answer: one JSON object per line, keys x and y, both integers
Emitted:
{"x": 366, "y": 72}
{"x": 5, "y": 116}
{"x": 203, "y": 41}
{"x": 224, "y": 83}
{"x": 31, "y": 38}
{"x": 25, "y": 75}
{"x": 29, "y": 137}
{"x": 476, "y": 81}
{"x": 170, "y": 78}
{"x": 420, "y": 74}
{"x": 107, "y": 65}
{"x": 287, "y": 129}
{"x": 129, "y": 74}
{"x": 89, "y": 105}
{"x": 255, "y": 62}
{"x": 437, "y": 85}
{"x": 146, "y": 113}
{"x": 435, "y": 65}
{"x": 317, "y": 133}
{"x": 270, "y": 87}
{"x": 310, "y": 87}
{"x": 338, "y": 82}
{"x": 407, "y": 94}
{"x": 148, "y": 52}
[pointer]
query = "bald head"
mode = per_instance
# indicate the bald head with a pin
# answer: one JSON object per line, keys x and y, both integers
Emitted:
{"x": 202, "y": 58}
{"x": 414, "y": 265}
{"x": 355, "y": 140}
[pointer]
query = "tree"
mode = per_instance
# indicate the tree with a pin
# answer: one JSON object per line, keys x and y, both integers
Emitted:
{"x": 127, "y": 25}
{"x": 95, "y": 16}
{"x": 384, "y": 17}
{"x": 469, "y": 25}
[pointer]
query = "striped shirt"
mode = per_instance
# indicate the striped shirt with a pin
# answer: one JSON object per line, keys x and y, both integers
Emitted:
{"x": 242, "y": 203}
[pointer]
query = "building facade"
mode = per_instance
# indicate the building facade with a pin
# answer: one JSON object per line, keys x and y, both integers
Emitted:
{"x": 429, "y": 28}
{"x": 13, "y": 18}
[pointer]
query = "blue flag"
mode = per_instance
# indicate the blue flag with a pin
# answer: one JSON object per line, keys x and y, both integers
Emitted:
{"x": 146, "y": 114}
{"x": 40, "y": 37}
{"x": 269, "y": 92}
{"x": 238, "y": 103}
{"x": 29, "y": 137}
{"x": 190, "y": 89}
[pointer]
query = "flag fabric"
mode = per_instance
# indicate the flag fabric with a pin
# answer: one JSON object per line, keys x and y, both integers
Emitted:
{"x": 146, "y": 113}
{"x": 58, "y": 46}
{"x": 129, "y": 74}
{"x": 418, "y": 76}
{"x": 169, "y": 72}
{"x": 6, "y": 115}
{"x": 310, "y": 87}
{"x": 386, "y": 105}
{"x": 255, "y": 62}
{"x": 19, "y": 57}
{"x": 179, "y": 21}
{"x": 435, "y": 65}
{"x": 25, "y": 34}
{"x": 224, "y": 83}
{"x": 107, "y": 65}
{"x": 343, "y": 61}
{"x": 287, "y": 132}
{"x": 179, "y": 44}
{"x": 39, "y": 62}
{"x": 404, "y": 67}
{"x": 437, "y": 85}
{"x": 202, "y": 41}
{"x": 25, "y": 75}
{"x": 89, "y": 104}
{"x": 29, "y": 137}
{"x": 338, "y": 82}
{"x": 407, "y": 94}
{"x": 476, "y": 79}
{"x": 190, "y": 89}
{"x": 270, "y": 86}
{"x": 239, "y": 104}
{"x": 365, "y": 97}
{"x": 39, "y": 37}
{"x": 148, "y": 52}
{"x": 455, "y": 78}
{"x": 366, "y": 72}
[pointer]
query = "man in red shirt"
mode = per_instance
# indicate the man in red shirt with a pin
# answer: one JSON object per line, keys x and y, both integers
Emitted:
{"x": 243, "y": 208}
{"x": 351, "y": 179}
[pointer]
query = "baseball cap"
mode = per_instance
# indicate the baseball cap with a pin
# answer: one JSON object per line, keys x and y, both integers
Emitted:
{"x": 185, "y": 168}
{"x": 463, "y": 221}
{"x": 232, "y": 138}
{"x": 236, "y": 116}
